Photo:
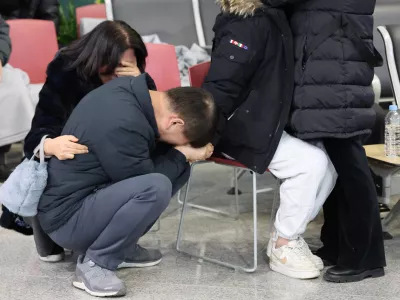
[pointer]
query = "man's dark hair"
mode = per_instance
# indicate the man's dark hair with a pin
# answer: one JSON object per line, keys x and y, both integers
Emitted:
{"x": 197, "y": 109}
{"x": 104, "y": 46}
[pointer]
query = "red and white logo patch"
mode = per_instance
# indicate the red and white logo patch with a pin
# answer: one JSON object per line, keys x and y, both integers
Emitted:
{"x": 238, "y": 44}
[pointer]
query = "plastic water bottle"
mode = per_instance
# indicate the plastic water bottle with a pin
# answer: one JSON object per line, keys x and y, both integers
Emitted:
{"x": 392, "y": 132}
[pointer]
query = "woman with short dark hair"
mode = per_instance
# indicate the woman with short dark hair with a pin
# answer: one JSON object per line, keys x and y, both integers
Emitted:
{"x": 111, "y": 50}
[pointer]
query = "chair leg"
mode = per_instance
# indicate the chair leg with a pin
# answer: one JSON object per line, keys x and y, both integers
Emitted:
{"x": 237, "y": 206}
{"x": 184, "y": 204}
{"x": 235, "y": 177}
{"x": 275, "y": 205}
{"x": 235, "y": 215}
{"x": 215, "y": 261}
{"x": 255, "y": 229}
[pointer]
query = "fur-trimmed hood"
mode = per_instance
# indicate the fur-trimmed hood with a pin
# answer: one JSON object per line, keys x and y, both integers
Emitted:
{"x": 243, "y": 8}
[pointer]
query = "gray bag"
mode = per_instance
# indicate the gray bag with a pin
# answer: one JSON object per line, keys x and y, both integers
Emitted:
{"x": 21, "y": 192}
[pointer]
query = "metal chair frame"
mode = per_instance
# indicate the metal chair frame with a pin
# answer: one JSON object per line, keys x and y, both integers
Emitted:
{"x": 256, "y": 192}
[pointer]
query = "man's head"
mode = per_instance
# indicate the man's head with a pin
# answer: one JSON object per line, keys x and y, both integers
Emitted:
{"x": 185, "y": 115}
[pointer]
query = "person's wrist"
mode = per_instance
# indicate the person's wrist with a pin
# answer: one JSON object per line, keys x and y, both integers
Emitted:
{"x": 181, "y": 150}
{"x": 48, "y": 147}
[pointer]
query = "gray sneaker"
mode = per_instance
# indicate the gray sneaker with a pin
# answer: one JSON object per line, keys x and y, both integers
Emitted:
{"x": 97, "y": 281}
{"x": 142, "y": 258}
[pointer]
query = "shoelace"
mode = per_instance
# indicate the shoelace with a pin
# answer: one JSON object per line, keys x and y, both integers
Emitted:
{"x": 303, "y": 245}
{"x": 99, "y": 273}
{"x": 298, "y": 251}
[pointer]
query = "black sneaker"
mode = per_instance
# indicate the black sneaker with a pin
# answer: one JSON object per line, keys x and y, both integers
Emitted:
{"x": 4, "y": 172}
{"x": 12, "y": 221}
{"x": 384, "y": 210}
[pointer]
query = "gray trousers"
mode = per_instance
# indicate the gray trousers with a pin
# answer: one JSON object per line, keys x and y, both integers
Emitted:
{"x": 113, "y": 219}
{"x": 46, "y": 246}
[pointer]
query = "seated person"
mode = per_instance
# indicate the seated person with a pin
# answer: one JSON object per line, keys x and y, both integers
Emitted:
{"x": 16, "y": 112}
{"x": 100, "y": 203}
{"x": 251, "y": 80}
{"x": 5, "y": 51}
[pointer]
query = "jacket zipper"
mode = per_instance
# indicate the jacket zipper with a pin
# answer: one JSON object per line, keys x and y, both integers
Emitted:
{"x": 305, "y": 57}
{"x": 305, "y": 48}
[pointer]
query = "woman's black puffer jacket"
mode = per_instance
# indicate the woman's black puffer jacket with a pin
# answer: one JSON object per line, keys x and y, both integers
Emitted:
{"x": 335, "y": 60}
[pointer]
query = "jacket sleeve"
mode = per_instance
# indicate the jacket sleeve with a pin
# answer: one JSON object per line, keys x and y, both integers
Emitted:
{"x": 49, "y": 118}
{"x": 233, "y": 67}
{"x": 49, "y": 10}
{"x": 5, "y": 42}
{"x": 124, "y": 152}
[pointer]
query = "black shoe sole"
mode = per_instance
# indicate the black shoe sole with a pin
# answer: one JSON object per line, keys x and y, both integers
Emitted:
{"x": 374, "y": 273}
{"x": 327, "y": 263}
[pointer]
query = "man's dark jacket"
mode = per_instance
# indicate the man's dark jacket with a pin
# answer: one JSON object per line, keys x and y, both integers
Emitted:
{"x": 117, "y": 123}
{"x": 60, "y": 94}
{"x": 251, "y": 80}
{"x": 5, "y": 42}
{"x": 335, "y": 59}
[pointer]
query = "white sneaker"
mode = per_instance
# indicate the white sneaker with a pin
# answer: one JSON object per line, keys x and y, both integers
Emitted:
{"x": 290, "y": 260}
{"x": 315, "y": 259}
{"x": 53, "y": 258}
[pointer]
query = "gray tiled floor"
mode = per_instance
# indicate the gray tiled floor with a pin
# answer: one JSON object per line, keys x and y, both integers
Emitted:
{"x": 23, "y": 276}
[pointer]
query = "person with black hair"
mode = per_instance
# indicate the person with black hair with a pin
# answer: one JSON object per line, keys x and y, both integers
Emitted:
{"x": 112, "y": 49}
{"x": 100, "y": 203}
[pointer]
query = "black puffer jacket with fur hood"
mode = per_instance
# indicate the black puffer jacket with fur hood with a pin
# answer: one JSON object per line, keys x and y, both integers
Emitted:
{"x": 251, "y": 79}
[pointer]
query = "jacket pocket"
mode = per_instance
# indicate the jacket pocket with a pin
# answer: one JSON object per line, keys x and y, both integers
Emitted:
{"x": 228, "y": 60}
{"x": 249, "y": 125}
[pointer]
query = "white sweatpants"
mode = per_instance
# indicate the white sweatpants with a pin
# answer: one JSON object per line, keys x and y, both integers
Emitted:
{"x": 308, "y": 178}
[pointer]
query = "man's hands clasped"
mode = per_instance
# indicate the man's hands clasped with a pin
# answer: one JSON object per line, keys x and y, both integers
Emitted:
{"x": 196, "y": 154}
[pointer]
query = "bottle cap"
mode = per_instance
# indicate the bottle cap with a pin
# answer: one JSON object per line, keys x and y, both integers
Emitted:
{"x": 393, "y": 107}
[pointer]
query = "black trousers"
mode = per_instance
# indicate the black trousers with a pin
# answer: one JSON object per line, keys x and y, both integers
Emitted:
{"x": 352, "y": 232}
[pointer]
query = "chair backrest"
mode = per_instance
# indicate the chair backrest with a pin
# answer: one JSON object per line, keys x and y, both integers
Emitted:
{"x": 172, "y": 20}
{"x": 89, "y": 11}
{"x": 34, "y": 45}
{"x": 387, "y": 12}
{"x": 198, "y": 73}
{"x": 162, "y": 65}
{"x": 391, "y": 38}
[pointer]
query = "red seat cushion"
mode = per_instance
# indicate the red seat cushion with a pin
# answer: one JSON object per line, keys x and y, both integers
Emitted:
{"x": 227, "y": 162}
